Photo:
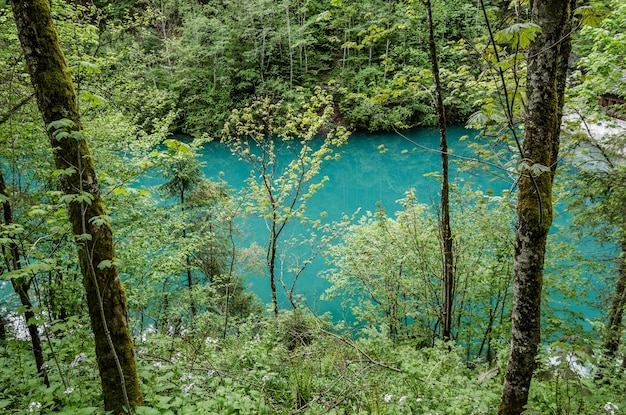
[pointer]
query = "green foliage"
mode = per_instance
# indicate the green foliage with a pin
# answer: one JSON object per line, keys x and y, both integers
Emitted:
{"x": 185, "y": 66}
{"x": 279, "y": 187}
{"x": 388, "y": 271}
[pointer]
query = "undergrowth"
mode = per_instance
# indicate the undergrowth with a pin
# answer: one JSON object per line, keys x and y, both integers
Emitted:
{"x": 298, "y": 364}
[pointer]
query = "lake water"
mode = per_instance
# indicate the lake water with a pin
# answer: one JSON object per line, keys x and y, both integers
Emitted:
{"x": 374, "y": 169}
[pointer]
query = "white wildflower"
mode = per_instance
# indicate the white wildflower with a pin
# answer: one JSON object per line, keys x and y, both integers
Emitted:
{"x": 265, "y": 378}
{"x": 77, "y": 359}
{"x": 610, "y": 408}
{"x": 158, "y": 365}
{"x": 44, "y": 366}
{"x": 34, "y": 406}
{"x": 418, "y": 400}
{"x": 68, "y": 391}
{"x": 209, "y": 341}
{"x": 187, "y": 388}
{"x": 186, "y": 377}
{"x": 402, "y": 400}
{"x": 388, "y": 397}
{"x": 210, "y": 373}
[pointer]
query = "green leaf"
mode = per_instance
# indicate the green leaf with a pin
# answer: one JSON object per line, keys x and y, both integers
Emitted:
{"x": 61, "y": 124}
{"x": 107, "y": 263}
{"x": 100, "y": 220}
{"x": 83, "y": 237}
{"x": 518, "y": 34}
{"x": 590, "y": 15}
{"x": 93, "y": 99}
{"x": 64, "y": 172}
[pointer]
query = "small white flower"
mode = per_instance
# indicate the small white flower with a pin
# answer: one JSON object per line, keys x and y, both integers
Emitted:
{"x": 210, "y": 373}
{"x": 77, "y": 359}
{"x": 187, "y": 388}
{"x": 44, "y": 366}
{"x": 610, "y": 408}
{"x": 388, "y": 397}
{"x": 68, "y": 391}
{"x": 418, "y": 400}
{"x": 265, "y": 378}
{"x": 34, "y": 406}
{"x": 186, "y": 377}
{"x": 402, "y": 400}
{"x": 210, "y": 340}
{"x": 158, "y": 365}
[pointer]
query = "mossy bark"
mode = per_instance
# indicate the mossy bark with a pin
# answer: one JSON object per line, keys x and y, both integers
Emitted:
{"x": 614, "y": 329}
{"x": 547, "y": 66}
{"x": 106, "y": 299}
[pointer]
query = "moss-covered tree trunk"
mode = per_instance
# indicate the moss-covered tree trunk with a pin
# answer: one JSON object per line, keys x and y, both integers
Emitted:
{"x": 106, "y": 300}
{"x": 547, "y": 66}
{"x": 614, "y": 329}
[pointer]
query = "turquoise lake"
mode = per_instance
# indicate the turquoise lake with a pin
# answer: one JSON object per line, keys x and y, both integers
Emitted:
{"x": 375, "y": 169}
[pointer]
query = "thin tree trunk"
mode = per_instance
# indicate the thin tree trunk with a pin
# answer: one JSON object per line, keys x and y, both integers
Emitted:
{"x": 614, "y": 329}
{"x": 271, "y": 262}
{"x": 289, "y": 44}
{"x": 106, "y": 299}
{"x": 12, "y": 262}
{"x": 187, "y": 256}
{"x": 3, "y": 328}
{"x": 547, "y": 59}
{"x": 446, "y": 230}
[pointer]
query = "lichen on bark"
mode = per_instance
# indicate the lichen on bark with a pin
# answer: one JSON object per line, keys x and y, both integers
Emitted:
{"x": 547, "y": 63}
{"x": 106, "y": 299}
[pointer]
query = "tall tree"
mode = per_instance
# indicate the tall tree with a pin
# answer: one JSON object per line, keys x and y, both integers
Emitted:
{"x": 106, "y": 299}
{"x": 444, "y": 221}
{"x": 600, "y": 185}
{"x": 279, "y": 190}
{"x": 546, "y": 78}
{"x": 181, "y": 169}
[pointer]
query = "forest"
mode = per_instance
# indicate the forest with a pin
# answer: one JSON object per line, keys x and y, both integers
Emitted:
{"x": 121, "y": 297}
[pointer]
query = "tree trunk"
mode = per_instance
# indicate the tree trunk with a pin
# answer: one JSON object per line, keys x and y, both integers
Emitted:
{"x": 21, "y": 286}
{"x": 289, "y": 44}
{"x": 106, "y": 299}
{"x": 3, "y": 329}
{"x": 446, "y": 230}
{"x": 614, "y": 329}
{"x": 547, "y": 65}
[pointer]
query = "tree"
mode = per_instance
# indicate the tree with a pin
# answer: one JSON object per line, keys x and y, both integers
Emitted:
{"x": 181, "y": 169}
{"x": 20, "y": 280}
{"x": 388, "y": 271}
{"x": 548, "y": 58}
{"x": 280, "y": 193}
{"x": 106, "y": 300}
{"x": 444, "y": 221}
{"x": 600, "y": 195}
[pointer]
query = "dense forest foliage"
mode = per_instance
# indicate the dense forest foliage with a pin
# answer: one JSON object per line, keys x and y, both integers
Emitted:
{"x": 282, "y": 84}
